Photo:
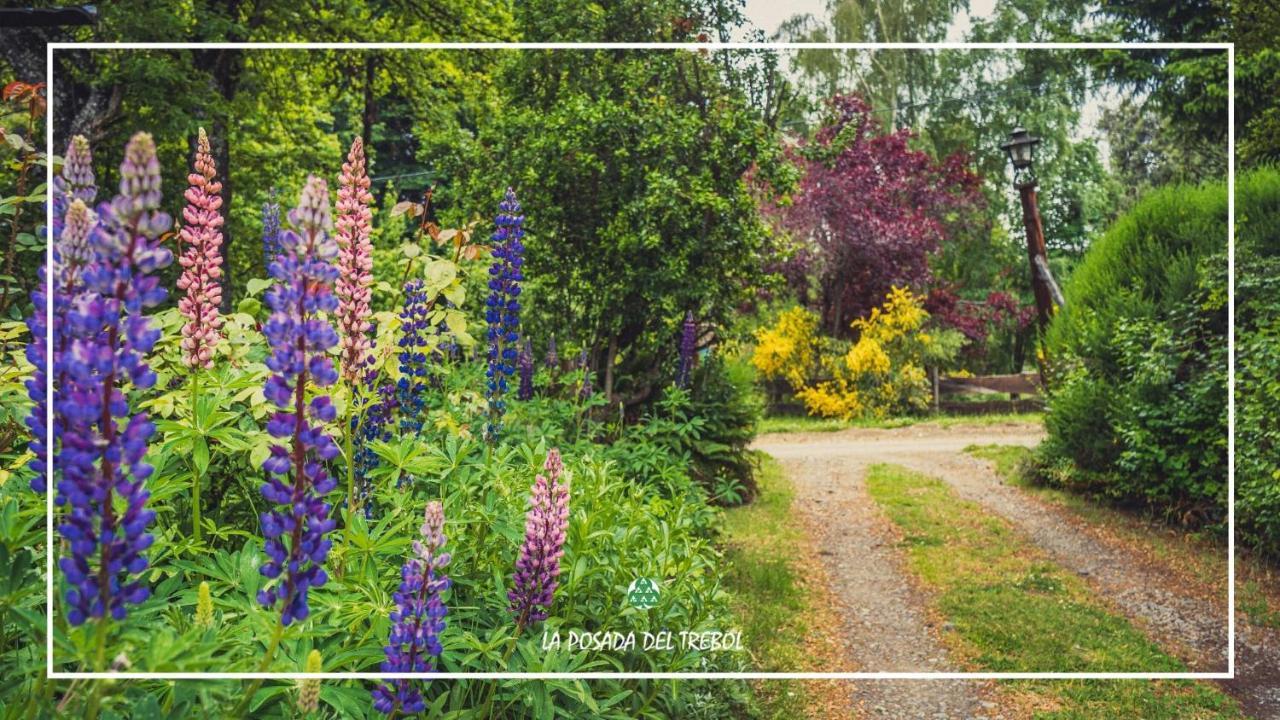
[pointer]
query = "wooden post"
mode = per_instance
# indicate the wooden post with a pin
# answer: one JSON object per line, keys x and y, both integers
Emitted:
{"x": 1036, "y": 248}
{"x": 933, "y": 371}
{"x": 1041, "y": 279}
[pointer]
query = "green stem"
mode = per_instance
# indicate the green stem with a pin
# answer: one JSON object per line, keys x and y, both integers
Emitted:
{"x": 653, "y": 692}
{"x": 266, "y": 663}
{"x": 29, "y": 708}
{"x": 99, "y": 663}
{"x": 351, "y": 469}
{"x": 506, "y": 657}
{"x": 195, "y": 469}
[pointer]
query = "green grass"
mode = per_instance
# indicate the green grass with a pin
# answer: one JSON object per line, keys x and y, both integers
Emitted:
{"x": 812, "y": 424}
{"x": 1203, "y": 556}
{"x": 772, "y": 609}
{"x": 1012, "y": 609}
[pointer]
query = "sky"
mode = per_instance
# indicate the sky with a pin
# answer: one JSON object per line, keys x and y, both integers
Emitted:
{"x": 768, "y": 15}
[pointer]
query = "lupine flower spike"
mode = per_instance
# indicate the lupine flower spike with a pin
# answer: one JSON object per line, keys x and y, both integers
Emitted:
{"x": 103, "y": 446}
{"x": 411, "y": 387}
{"x": 553, "y": 360}
{"x": 502, "y": 307}
{"x": 309, "y": 688}
{"x": 355, "y": 262}
{"x": 75, "y": 182}
{"x": 204, "y": 606}
{"x": 299, "y": 337}
{"x": 73, "y": 192}
{"x": 202, "y": 260}
{"x": 688, "y": 344}
{"x": 270, "y": 228}
{"x": 524, "y": 363}
{"x": 584, "y": 363}
{"x": 418, "y": 618}
{"x": 538, "y": 568}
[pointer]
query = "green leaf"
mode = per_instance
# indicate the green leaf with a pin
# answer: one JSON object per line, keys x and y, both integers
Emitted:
{"x": 256, "y": 285}
{"x": 200, "y": 455}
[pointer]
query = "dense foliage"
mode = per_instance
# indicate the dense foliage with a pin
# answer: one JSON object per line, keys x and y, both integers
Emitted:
{"x": 322, "y": 573}
{"x": 868, "y": 213}
{"x": 1139, "y": 359}
{"x": 388, "y": 496}
{"x": 881, "y": 372}
{"x": 1258, "y": 358}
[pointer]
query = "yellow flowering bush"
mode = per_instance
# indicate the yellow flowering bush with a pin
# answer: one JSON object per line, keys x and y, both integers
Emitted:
{"x": 883, "y": 371}
{"x": 788, "y": 349}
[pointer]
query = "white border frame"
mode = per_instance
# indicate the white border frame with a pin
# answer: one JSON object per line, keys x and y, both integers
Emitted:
{"x": 712, "y": 46}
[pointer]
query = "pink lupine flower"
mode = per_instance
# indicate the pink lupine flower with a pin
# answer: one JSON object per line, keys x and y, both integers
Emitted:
{"x": 355, "y": 261}
{"x": 202, "y": 260}
{"x": 538, "y": 568}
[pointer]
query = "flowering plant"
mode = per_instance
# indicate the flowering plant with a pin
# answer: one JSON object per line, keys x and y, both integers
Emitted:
{"x": 299, "y": 337}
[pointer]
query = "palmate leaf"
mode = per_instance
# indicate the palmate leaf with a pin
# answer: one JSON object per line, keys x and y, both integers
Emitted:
{"x": 348, "y": 701}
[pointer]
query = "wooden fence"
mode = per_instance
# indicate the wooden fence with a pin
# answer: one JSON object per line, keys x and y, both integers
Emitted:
{"x": 1008, "y": 393}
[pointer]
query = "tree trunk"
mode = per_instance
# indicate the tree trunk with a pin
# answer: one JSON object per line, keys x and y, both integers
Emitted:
{"x": 226, "y": 67}
{"x": 610, "y": 357}
{"x": 369, "y": 116}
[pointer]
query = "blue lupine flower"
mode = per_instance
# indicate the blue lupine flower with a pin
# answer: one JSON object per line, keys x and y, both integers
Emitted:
{"x": 502, "y": 307}
{"x": 418, "y": 619}
{"x": 411, "y": 387}
{"x": 73, "y": 193}
{"x": 584, "y": 364}
{"x": 270, "y": 228}
{"x": 103, "y": 355}
{"x": 688, "y": 344}
{"x": 553, "y": 360}
{"x": 524, "y": 363}
{"x": 299, "y": 337}
{"x": 373, "y": 423}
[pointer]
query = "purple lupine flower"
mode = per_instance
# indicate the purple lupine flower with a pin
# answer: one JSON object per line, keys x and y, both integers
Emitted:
{"x": 202, "y": 260}
{"x": 524, "y": 363}
{"x": 411, "y": 387}
{"x": 299, "y": 337}
{"x": 38, "y": 355}
{"x": 688, "y": 343}
{"x": 74, "y": 187}
{"x": 584, "y": 363}
{"x": 355, "y": 262}
{"x": 373, "y": 423}
{"x": 70, "y": 254}
{"x": 76, "y": 181}
{"x": 104, "y": 447}
{"x": 553, "y": 360}
{"x": 538, "y": 568}
{"x": 270, "y": 228}
{"x": 502, "y": 308}
{"x": 418, "y": 619}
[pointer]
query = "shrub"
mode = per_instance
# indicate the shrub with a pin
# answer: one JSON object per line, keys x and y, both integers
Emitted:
{"x": 883, "y": 370}
{"x": 1138, "y": 358}
{"x": 1258, "y": 359}
{"x": 321, "y": 572}
{"x": 702, "y": 433}
{"x": 786, "y": 351}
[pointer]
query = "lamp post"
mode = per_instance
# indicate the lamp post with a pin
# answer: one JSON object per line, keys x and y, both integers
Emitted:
{"x": 1022, "y": 153}
{"x": 1021, "y": 150}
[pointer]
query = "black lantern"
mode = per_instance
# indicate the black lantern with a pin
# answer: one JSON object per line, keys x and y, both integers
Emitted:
{"x": 1021, "y": 148}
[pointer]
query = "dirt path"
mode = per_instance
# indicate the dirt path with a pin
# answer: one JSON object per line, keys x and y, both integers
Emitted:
{"x": 885, "y": 619}
{"x": 886, "y": 623}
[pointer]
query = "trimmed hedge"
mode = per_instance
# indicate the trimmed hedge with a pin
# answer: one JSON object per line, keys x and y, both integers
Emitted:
{"x": 1138, "y": 377}
{"x": 1258, "y": 359}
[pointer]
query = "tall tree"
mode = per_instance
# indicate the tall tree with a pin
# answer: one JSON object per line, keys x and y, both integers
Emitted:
{"x": 868, "y": 213}
{"x": 631, "y": 165}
